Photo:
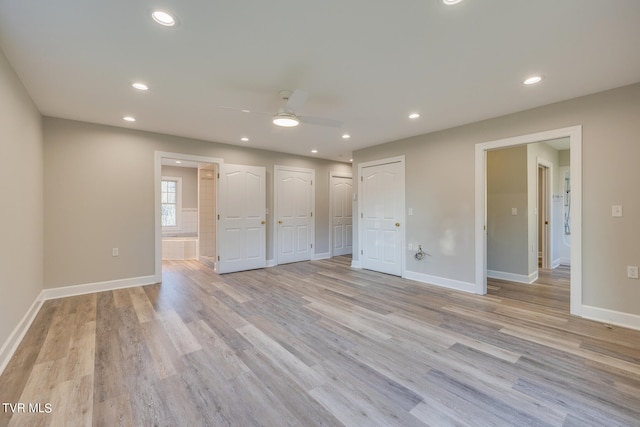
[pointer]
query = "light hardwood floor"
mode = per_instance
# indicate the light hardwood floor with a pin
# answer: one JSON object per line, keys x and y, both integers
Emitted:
{"x": 319, "y": 343}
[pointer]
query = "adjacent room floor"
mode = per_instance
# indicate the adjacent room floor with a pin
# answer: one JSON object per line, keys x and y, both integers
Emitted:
{"x": 320, "y": 343}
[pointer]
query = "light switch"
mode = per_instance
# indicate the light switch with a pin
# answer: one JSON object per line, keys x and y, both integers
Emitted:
{"x": 410, "y": 211}
{"x": 616, "y": 210}
{"x": 514, "y": 211}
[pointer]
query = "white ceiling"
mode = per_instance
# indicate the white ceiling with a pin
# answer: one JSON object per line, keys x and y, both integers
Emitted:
{"x": 367, "y": 63}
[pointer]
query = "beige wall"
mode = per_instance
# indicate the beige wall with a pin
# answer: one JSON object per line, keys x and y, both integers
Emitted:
{"x": 99, "y": 194}
{"x": 21, "y": 229}
{"x": 507, "y": 234}
{"x": 440, "y": 189}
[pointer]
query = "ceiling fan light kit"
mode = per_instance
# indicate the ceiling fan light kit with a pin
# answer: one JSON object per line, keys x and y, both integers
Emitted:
{"x": 285, "y": 119}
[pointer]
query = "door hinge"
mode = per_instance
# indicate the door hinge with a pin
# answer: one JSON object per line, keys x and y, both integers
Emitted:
{"x": 218, "y": 175}
{"x": 218, "y": 216}
{"x": 311, "y": 182}
{"x": 218, "y": 257}
{"x": 312, "y": 214}
{"x": 361, "y": 214}
{"x": 361, "y": 252}
{"x": 361, "y": 179}
{"x": 312, "y": 246}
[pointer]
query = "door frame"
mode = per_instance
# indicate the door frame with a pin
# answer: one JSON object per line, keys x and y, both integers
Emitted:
{"x": 544, "y": 211}
{"x": 574, "y": 133}
{"x": 403, "y": 219}
{"x": 157, "y": 178}
{"x": 333, "y": 175}
{"x": 276, "y": 241}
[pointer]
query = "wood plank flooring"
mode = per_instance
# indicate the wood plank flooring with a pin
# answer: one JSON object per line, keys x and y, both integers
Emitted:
{"x": 318, "y": 343}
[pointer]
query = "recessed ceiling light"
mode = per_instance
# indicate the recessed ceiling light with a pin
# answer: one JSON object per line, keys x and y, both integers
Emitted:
{"x": 129, "y": 119}
{"x": 246, "y": 111}
{"x": 139, "y": 86}
{"x": 450, "y": 2}
{"x": 314, "y": 151}
{"x": 163, "y": 18}
{"x": 533, "y": 80}
{"x": 351, "y": 160}
{"x": 414, "y": 115}
{"x": 244, "y": 139}
{"x": 346, "y": 136}
{"x": 178, "y": 162}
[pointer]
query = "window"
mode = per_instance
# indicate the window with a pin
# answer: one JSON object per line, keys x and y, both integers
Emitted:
{"x": 170, "y": 196}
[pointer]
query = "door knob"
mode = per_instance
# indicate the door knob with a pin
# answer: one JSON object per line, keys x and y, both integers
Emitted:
{"x": 279, "y": 222}
{"x": 263, "y": 222}
{"x": 397, "y": 224}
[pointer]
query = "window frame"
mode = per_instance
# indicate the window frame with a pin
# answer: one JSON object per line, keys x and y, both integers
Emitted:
{"x": 178, "y": 181}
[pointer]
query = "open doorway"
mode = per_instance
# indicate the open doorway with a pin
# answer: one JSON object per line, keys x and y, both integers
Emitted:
{"x": 574, "y": 135}
{"x": 521, "y": 186}
{"x": 188, "y": 210}
{"x": 185, "y": 208}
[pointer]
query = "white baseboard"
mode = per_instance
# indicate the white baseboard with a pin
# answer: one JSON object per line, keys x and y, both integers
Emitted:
{"x": 555, "y": 263}
{"x": 565, "y": 261}
{"x": 441, "y": 281}
{"x": 10, "y": 346}
{"x": 89, "y": 288}
{"x": 355, "y": 264}
{"x": 324, "y": 255}
{"x": 618, "y": 318}
{"x": 512, "y": 277}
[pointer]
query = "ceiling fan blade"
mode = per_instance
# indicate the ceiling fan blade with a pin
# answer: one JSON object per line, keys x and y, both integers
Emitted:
{"x": 296, "y": 100}
{"x": 320, "y": 121}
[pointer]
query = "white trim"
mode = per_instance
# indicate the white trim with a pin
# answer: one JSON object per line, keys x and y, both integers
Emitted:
{"x": 324, "y": 255}
{"x": 90, "y": 288}
{"x": 403, "y": 219}
{"x": 178, "y": 181}
{"x": 270, "y": 263}
{"x": 550, "y": 253}
{"x": 157, "y": 177}
{"x": 11, "y": 344}
{"x": 574, "y": 134}
{"x": 440, "y": 281}
{"x": 355, "y": 263}
{"x": 618, "y": 318}
{"x": 276, "y": 232}
{"x": 333, "y": 175}
{"x": 513, "y": 277}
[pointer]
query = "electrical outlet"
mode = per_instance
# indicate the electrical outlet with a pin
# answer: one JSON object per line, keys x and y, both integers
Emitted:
{"x": 632, "y": 271}
{"x": 616, "y": 210}
{"x": 115, "y": 252}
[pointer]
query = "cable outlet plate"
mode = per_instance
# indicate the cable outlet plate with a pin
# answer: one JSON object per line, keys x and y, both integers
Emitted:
{"x": 632, "y": 271}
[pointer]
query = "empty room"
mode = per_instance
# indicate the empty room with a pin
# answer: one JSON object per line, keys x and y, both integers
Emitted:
{"x": 333, "y": 213}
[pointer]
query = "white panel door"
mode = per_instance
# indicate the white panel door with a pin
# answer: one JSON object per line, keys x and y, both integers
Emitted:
{"x": 341, "y": 215}
{"x": 382, "y": 214}
{"x": 241, "y": 222}
{"x": 294, "y": 214}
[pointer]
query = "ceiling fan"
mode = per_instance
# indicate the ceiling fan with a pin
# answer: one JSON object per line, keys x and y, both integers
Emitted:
{"x": 286, "y": 115}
